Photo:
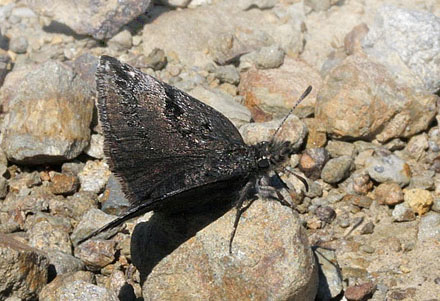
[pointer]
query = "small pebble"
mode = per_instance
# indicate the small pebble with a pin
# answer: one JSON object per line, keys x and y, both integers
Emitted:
{"x": 18, "y": 44}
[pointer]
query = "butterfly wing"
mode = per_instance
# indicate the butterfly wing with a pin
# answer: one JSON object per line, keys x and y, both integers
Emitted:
{"x": 156, "y": 134}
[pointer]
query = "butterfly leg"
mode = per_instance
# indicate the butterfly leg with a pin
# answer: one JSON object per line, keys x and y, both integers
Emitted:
{"x": 244, "y": 193}
{"x": 265, "y": 189}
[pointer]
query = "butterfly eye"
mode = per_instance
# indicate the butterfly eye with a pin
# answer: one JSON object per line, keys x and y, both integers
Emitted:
{"x": 263, "y": 163}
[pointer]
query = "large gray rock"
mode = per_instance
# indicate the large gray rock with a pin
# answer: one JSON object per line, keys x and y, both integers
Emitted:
{"x": 271, "y": 258}
{"x": 23, "y": 269}
{"x": 359, "y": 99}
{"x": 98, "y": 18}
{"x": 408, "y": 43}
{"x": 49, "y": 110}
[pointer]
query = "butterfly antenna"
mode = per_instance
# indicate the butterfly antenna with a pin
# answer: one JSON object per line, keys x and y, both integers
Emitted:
{"x": 304, "y": 95}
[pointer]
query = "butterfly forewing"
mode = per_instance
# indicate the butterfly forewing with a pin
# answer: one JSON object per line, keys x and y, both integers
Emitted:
{"x": 156, "y": 134}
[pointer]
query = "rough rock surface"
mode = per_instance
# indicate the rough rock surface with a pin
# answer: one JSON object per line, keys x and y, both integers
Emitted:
{"x": 46, "y": 125}
{"x": 202, "y": 267}
{"x": 100, "y": 19}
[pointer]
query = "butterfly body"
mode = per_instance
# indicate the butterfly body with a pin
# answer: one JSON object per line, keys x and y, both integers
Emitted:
{"x": 169, "y": 150}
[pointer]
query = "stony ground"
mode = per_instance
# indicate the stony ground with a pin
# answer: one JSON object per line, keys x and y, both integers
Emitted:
{"x": 368, "y": 141}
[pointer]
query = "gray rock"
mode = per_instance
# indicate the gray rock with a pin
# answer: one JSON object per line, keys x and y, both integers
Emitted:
{"x": 337, "y": 169}
{"x": 293, "y": 130}
{"x": 402, "y": 213}
{"x": 340, "y": 148}
{"x": 64, "y": 263}
{"x": 395, "y": 41}
{"x": 155, "y": 60}
{"x": 116, "y": 202}
{"x": 265, "y": 58}
{"x": 429, "y": 227}
{"x": 359, "y": 99}
{"x": 224, "y": 103}
{"x": 80, "y": 290}
{"x": 46, "y": 123}
{"x": 45, "y": 235}
{"x": 417, "y": 146}
{"x": 100, "y": 19}
{"x": 227, "y": 74}
{"x": 24, "y": 269}
{"x": 73, "y": 168}
{"x": 261, "y": 4}
{"x": 81, "y": 202}
{"x": 262, "y": 234}
{"x": 96, "y": 147}
{"x": 386, "y": 167}
{"x": 175, "y": 3}
{"x": 3, "y": 187}
{"x": 330, "y": 279}
{"x": 91, "y": 221}
{"x": 121, "y": 41}
{"x": 436, "y": 205}
{"x": 18, "y": 44}
{"x": 94, "y": 176}
{"x": 4, "y": 65}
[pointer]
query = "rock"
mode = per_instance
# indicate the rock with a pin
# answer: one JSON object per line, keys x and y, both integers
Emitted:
{"x": 81, "y": 202}
{"x": 317, "y": 136}
{"x": 340, "y": 148}
{"x": 155, "y": 60}
{"x": 46, "y": 125}
{"x": 312, "y": 162}
{"x": 360, "y": 292}
{"x": 424, "y": 181}
{"x": 293, "y": 130}
{"x": 227, "y": 34}
{"x": 360, "y": 100}
{"x": 76, "y": 291}
{"x": 114, "y": 202}
{"x": 224, "y": 103}
{"x": 227, "y": 74}
{"x": 91, "y": 221}
{"x": 96, "y": 147}
{"x": 429, "y": 227}
{"x": 353, "y": 40}
{"x": 325, "y": 214}
{"x": 272, "y": 93}
{"x": 72, "y": 168}
{"x": 419, "y": 200}
{"x": 337, "y": 169}
{"x": 175, "y": 3}
{"x": 394, "y": 40}
{"x": 94, "y": 176}
{"x": 368, "y": 228}
{"x": 24, "y": 269}
{"x": 436, "y": 205}
{"x": 265, "y": 58}
{"x": 360, "y": 201}
{"x": 330, "y": 279}
{"x": 361, "y": 183}
{"x": 52, "y": 291}
{"x": 3, "y": 187}
{"x": 121, "y": 41}
{"x": 45, "y": 235}
{"x": 261, "y": 4}
{"x": 24, "y": 180}
{"x": 4, "y": 64}
{"x": 402, "y": 213}
{"x": 100, "y": 19}
{"x": 18, "y": 44}
{"x": 389, "y": 194}
{"x": 386, "y": 167}
{"x": 63, "y": 183}
{"x": 63, "y": 263}
{"x": 85, "y": 65}
{"x": 96, "y": 254}
{"x": 267, "y": 261}
{"x": 417, "y": 146}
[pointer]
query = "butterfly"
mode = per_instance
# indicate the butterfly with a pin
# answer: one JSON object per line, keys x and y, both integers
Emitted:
{"x": 168, "y": 148}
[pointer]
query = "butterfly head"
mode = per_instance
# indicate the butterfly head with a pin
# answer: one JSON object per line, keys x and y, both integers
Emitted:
{"x": 271, "y": 154}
